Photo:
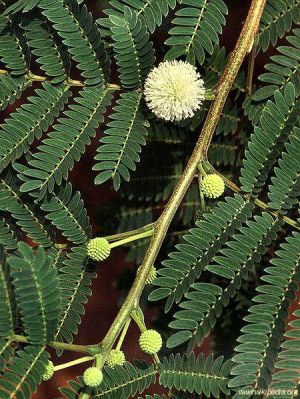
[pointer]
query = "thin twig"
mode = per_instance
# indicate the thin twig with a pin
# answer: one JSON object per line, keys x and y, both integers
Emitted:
{"x": 57, "y": 345}
{"x": 120, "y": 236}
{"x": 69, "y": 82}
{"x": 74, "y": 363}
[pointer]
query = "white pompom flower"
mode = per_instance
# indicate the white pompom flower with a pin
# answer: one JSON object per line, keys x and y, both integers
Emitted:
{"x": 174, "y": 90}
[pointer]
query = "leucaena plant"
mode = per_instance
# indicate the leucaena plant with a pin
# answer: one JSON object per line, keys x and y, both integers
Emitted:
{"x": 205, "y": 158}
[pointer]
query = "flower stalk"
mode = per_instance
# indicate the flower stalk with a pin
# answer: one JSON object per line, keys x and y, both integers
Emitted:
{"x": 119, "y": 236}
{"x": 135, "y": 237}
{"x": 123, "y": 334}
{"x": 74, "y": 363}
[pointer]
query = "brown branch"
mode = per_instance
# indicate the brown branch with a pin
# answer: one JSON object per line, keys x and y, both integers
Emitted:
{"x": 200, "y": 153}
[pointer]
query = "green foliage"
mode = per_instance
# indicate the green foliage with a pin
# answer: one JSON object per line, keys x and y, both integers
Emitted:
{"x": 66, "y": 211}
{"x": 154, "y": 397}
{"x": 199, "y": 375}
{"x": 8, "y": 237}
{"x": 41, "y": 288}
{"x": 264, "y": 330}
{"x": 214, "y": 68}
{"x": 82, "y": 37}
{"x": 24, "y": 373}
{"x": 262, "y": 149}
{"x": 121, "y": 381}
{"x": 6, "y": 353}
{"x": 285, "y": 187}
{"x": 224, "y": 250}
{"x": 74, "y": 283}
{"x": 133, "y": 218}
{"x": 126, "y": 381}
{"x": 233, "y": 263}
{"x": 287, "y": 374}
{"x": 29, "y": 121}
{"x": 150, "y": 12}
{"x": 163, "y": 142}
{"x": 23, "y": 212}
{"x": 203, "y": 376}
{"x": 13, "y": 51}
{"x": 122, "y": 141}
{"x": 277, "y": 19}
{"x": 7, "y": 311}
{"x": 22, "y": 5}
{"x": 222, "y": 154}
{"x": 58, "y": 153}
{"x": 134, "y": 52}
{"x": 197, "y": 249}
{"x": 11, "y": 89}
{"x": 229, "y": 121}
{"x": 283, "y": 69}
{"x": 51, "y": 55}
{"x": 157, "y": 186}
{"x": 196, "y": 29}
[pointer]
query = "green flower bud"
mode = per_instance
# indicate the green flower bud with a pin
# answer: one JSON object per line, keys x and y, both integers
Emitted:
{"x": 116, "y": 357}
{"x": 92, "y": 377}
{"x": 49, "y": 371}
{"x": 98, "y": 249}
{"x": 150, "y": 341}
{"x": 212, "y": 186}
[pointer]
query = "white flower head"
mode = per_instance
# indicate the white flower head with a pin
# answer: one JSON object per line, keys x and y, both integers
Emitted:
{"x": 174, "y": 90}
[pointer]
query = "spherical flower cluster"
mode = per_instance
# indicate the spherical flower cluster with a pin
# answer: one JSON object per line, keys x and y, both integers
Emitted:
{"x": 212, "y": 186}
{"x": 98, "y": 249}
{"x": 174, "y": 90}
{"x": 115, "y": 357}
{"x": 49, "y": 371}
{"x": 151, "y": 275}
{"x": 92, "y": 377}
{"x": 150, "y": 341}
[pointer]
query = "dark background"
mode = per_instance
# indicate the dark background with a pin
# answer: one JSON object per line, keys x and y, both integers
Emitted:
{"x": 104, "y": 304}
{"x": 105, "y": 301}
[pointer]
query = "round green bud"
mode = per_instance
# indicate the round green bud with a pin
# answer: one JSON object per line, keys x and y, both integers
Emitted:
{"x": 98, "y": 249}
{"x": 115, "y": 357}
{"x": 92, "y": 377}
{"x": 151, "y": 276}
{"x": 212, "y": 186}
{"x": 49, "y": 371}
{"x": 150, "y": 341}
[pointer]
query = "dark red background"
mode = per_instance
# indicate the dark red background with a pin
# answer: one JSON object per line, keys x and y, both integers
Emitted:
{"x": 104, "y": 303}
